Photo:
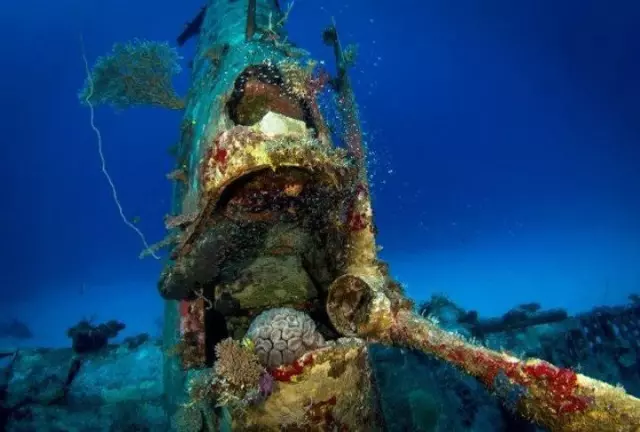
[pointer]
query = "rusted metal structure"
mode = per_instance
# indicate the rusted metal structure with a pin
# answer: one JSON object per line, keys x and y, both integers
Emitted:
{"x": 274, "y": 286}
{"x": 266, "y": 208}
{"x": 275, "y": 215}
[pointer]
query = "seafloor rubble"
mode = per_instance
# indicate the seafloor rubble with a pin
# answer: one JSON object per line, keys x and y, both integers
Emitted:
{"x": 119, "y": 387}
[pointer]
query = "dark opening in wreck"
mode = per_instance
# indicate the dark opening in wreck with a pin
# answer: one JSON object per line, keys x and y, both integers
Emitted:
{"x": 261, "y": 89}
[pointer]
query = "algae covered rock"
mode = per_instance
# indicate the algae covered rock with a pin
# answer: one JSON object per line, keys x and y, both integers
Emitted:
{"x": 116, "y": 389}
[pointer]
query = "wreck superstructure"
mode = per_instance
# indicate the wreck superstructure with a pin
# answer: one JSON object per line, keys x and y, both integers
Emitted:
{"x": 273, "y": 287}
{"x": 266, "y": 214}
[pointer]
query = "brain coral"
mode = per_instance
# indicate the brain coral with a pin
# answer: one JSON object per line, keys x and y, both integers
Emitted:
{"x": 282, "y": 335}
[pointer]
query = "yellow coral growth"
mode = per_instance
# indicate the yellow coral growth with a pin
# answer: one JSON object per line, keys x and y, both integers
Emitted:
{"x": 296, "y": 77}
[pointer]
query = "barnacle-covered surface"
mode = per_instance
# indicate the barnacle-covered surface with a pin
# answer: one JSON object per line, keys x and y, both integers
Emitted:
{"x": 330, "y": 390}
{"x": 274, "y": 172}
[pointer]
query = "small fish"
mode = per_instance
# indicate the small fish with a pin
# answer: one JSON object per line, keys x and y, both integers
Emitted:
{"x": 135, "y": 220}
{"x": 248, "y": 344}
{"x": 530, "y": 307}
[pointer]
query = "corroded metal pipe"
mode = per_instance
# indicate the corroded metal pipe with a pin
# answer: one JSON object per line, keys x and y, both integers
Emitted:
{"x": 555, "y": 398}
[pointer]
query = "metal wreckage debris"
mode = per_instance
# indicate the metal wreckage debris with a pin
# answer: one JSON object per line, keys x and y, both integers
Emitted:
{"x": 274, "y": 288}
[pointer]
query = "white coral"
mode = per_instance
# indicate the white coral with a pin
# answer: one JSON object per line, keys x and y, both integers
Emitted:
{"x": 282, "y": 335}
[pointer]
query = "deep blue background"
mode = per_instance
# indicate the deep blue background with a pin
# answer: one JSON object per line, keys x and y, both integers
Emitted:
{"x": 487, "y": 120}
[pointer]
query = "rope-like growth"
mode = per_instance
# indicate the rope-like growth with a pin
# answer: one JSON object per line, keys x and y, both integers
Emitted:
{"x": 103, "y": 164}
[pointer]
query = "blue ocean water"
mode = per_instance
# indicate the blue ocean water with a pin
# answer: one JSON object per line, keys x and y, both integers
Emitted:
{"x": 504, "y": 142}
